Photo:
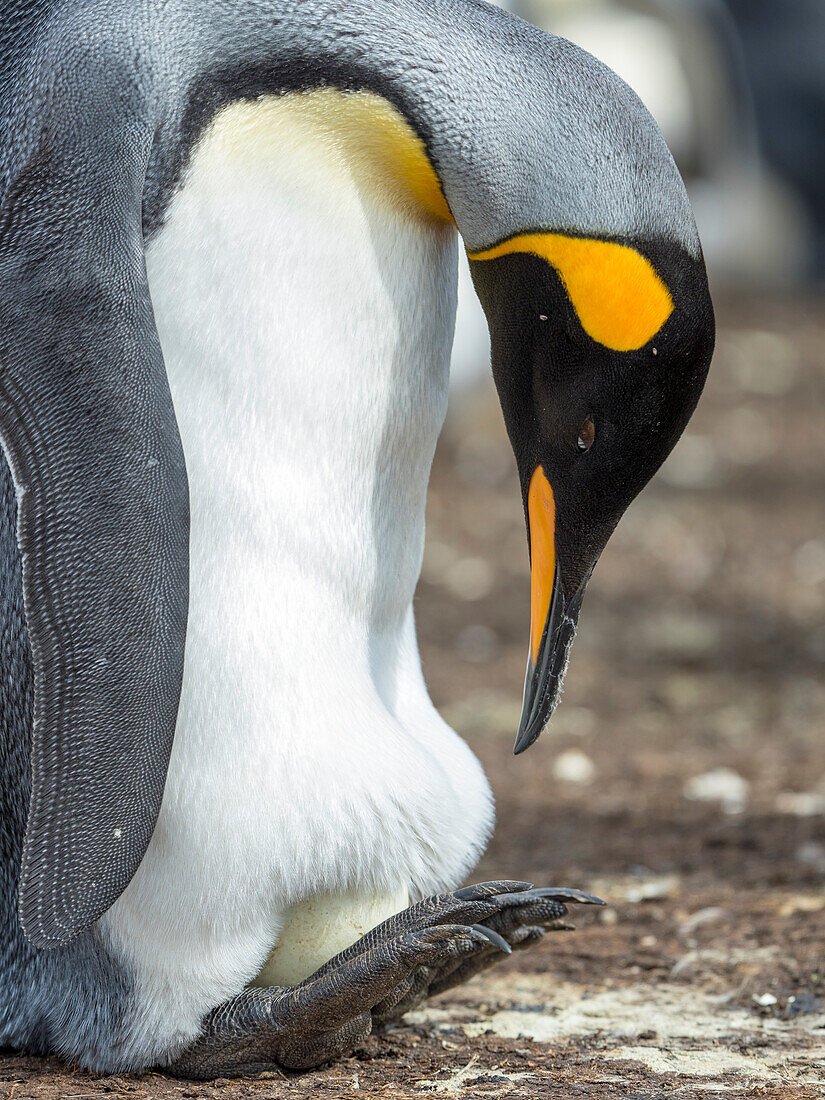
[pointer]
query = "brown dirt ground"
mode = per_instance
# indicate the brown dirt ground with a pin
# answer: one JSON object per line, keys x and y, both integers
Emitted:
{"x": 702, "y": 647}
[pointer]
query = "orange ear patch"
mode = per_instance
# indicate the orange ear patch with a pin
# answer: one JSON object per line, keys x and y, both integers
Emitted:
{"x": 618, "y": 297}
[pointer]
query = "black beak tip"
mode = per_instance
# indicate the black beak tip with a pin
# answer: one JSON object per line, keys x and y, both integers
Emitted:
{"x": 543, "y": 679}
{"x": 525, "y": 738}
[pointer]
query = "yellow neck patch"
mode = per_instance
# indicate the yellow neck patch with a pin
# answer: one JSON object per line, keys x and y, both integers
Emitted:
{"x": 397, "y": 152}
{"x": 618, "y": 297}
{"x": 360, "y": 132}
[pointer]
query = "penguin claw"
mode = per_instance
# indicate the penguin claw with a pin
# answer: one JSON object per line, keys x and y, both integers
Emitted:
{"x": 481, "y": 890}
{"x": 546, "y": 893}
{"x": 564, "y": 894}
{"x": 428, "y": 948}
{"x": 495, "y": 939}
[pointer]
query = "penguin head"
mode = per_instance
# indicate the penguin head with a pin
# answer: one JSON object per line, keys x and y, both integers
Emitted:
{"x": 600, "y": 349}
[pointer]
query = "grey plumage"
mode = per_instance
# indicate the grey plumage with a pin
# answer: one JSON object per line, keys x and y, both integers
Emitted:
{"x": 76, "y": 1000}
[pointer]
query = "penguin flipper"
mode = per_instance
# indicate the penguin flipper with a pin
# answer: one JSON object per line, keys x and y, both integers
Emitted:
{"x": 89, "y": 431}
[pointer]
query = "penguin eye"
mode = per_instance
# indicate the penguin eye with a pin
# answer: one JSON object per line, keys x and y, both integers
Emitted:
{"x": 587, "y": 434}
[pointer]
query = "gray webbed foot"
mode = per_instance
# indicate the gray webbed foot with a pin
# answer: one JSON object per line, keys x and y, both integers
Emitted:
{"x": 425, "y": 949}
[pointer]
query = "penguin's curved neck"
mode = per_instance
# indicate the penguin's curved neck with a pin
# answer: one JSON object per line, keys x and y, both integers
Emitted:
{"x": 522, "y": 129}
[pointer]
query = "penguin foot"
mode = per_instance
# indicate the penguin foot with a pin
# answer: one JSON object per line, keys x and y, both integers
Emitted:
{"x": 423, "y": 950}
{"x": 520, "y": 917}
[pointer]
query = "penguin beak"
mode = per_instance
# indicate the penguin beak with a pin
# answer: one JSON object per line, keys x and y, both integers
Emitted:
{"x": 553, "y": 617}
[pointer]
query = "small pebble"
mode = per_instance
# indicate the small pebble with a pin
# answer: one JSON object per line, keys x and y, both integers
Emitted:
{"x": 812, "y": 854}
{"x": 801, "y": 803}
{"x": 574, "y": 767}
{"x": 719, "y": 785}
{"x": 652, "y": 889}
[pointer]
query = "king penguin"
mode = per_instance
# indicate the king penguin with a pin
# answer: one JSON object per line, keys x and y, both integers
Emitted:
{"x": 228, "y": 247}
